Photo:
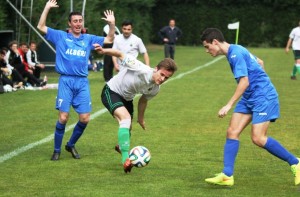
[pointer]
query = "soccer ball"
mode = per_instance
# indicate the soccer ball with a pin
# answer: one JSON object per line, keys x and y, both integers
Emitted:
{"x": 140, "y": 156}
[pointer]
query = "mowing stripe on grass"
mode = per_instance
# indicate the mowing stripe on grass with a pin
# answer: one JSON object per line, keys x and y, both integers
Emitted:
{"x": 93, "y": 116}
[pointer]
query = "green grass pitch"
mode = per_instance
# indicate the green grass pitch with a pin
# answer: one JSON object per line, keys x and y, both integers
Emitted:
{"x": 184, "y": 135}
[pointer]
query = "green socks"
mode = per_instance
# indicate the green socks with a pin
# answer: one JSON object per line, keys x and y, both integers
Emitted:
{"x": 294, "y": 70}
{"x": 124, "y": 142}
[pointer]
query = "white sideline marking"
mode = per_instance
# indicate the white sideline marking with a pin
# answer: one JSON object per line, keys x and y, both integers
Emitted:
{"x": 93, "y": 116}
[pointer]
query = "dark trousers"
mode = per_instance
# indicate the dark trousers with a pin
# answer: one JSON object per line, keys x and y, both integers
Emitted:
{"x": 169, "y": 50}
{"x": 108, "y": 65}
{"x": 6, "y": 80}
{"x": 108, "y": 68}
{"x": 37, "y": 72}
{"x": 17, "y": 77}
{"x": 25, "y": 74}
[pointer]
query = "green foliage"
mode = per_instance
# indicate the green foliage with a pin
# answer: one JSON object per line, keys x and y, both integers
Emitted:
{"x": 265, "y": 23}
{"x": 4, "y": 24}
{"x": 262, "y": 23}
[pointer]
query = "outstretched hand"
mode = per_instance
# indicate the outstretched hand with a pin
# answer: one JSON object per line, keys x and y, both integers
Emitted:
{"x": 109, "y": 17}
{"x": 98, "y": 48}
{"x": 223, "y": 112}
{"x": 142, "y": 124}
{"x": 52, "y": 4}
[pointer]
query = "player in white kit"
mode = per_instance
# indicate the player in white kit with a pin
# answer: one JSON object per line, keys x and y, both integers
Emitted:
{"x": 294, "y": 41}
{"x": 117, "y": 95}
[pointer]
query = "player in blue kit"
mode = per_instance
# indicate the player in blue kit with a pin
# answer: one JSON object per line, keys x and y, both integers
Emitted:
{"x": 258, "y": 104}
{"x": 72, "y": 53}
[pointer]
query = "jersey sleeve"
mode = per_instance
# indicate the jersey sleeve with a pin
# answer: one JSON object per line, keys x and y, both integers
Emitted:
{"x": 239, "y": 66}
{"x": 53, "y": 35}
{"x": 292, "y": 34}
{"x": 142, "y": 48}
{"x": 153, "y": 93}
{"x": 131, "y": 63}
{"x": 97, "y": 39}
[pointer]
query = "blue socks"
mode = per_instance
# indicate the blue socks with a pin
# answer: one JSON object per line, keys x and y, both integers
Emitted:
{"x": 231, "y": 148}
{"x": 272, "y": 146}
{"x": 58, "y": 136}
{"x": 276, "y": 149}
{"x": 77, "y": 132}
{"x": 60, "y": 131}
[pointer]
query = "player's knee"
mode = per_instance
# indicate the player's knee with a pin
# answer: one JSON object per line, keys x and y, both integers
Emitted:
{"x": 84, "y": 119}
{"x": 232, "y": 133}
{"x": 125, "y": 123}
{"x": 258, "y": 140}
{"x": 63, "y": 118}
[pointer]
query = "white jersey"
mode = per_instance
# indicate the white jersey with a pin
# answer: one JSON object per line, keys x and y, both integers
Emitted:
{"x": 295, "y": 35}
{"x": 132, "y": 45}
{"x": 134, "y": 78}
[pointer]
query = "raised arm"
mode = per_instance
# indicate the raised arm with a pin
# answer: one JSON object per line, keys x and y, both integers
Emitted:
{"x": 110, "y": 19}
{"x": 42, "y": 22}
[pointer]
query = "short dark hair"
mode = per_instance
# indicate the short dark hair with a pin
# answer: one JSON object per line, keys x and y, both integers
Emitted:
{"x": 167, "y": 64}
{"x": 32, "y": 42}
{"x": 74, "y": 14}
{"x": 12, "y": 43}
{"x": 23, "y": 43}
{"x": 210, "y": 34}
{"x": 2, "y": 52}
{"x": 127, "y": 22}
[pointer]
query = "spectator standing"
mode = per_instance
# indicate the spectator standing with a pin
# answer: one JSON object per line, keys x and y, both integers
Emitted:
{"x": 294, "y": 41}
{"x": 129, "y": 43}
{"x": 108, "y": 65}
{"x": 32, "y": 59}
{"x": 169, "y": 35}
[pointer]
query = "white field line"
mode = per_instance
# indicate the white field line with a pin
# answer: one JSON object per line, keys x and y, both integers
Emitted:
{"x": 20, "y": 150}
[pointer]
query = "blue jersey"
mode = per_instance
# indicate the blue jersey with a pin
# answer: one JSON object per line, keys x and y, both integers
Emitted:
{"x": 244, "y": 64}
{"x": 72, "y": 53}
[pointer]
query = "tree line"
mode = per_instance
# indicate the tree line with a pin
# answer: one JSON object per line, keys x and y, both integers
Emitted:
{"x": 263, "y": 23}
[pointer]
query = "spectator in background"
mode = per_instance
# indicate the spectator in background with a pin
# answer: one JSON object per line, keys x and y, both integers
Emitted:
{"x": 108, "y": 64}
{"x": 294, "y": 40}
{"x": 169, "y": 35}
{"x": 5, "y": 72}
{"x": 128, "y": 43}
{"x": 23, "y": 48}
{"x": 14, "y": 58}
{"x": 94, "y": 66}
{"x": 32, "y": 58}
{"x": 10, "y": 75}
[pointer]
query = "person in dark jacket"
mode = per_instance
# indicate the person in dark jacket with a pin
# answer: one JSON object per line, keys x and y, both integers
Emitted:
{"x": 169, "y": 35}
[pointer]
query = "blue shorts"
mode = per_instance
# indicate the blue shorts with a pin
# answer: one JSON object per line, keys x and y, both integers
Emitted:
{"x": 266, "y": 110}
{"x": 75, "y": 91}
